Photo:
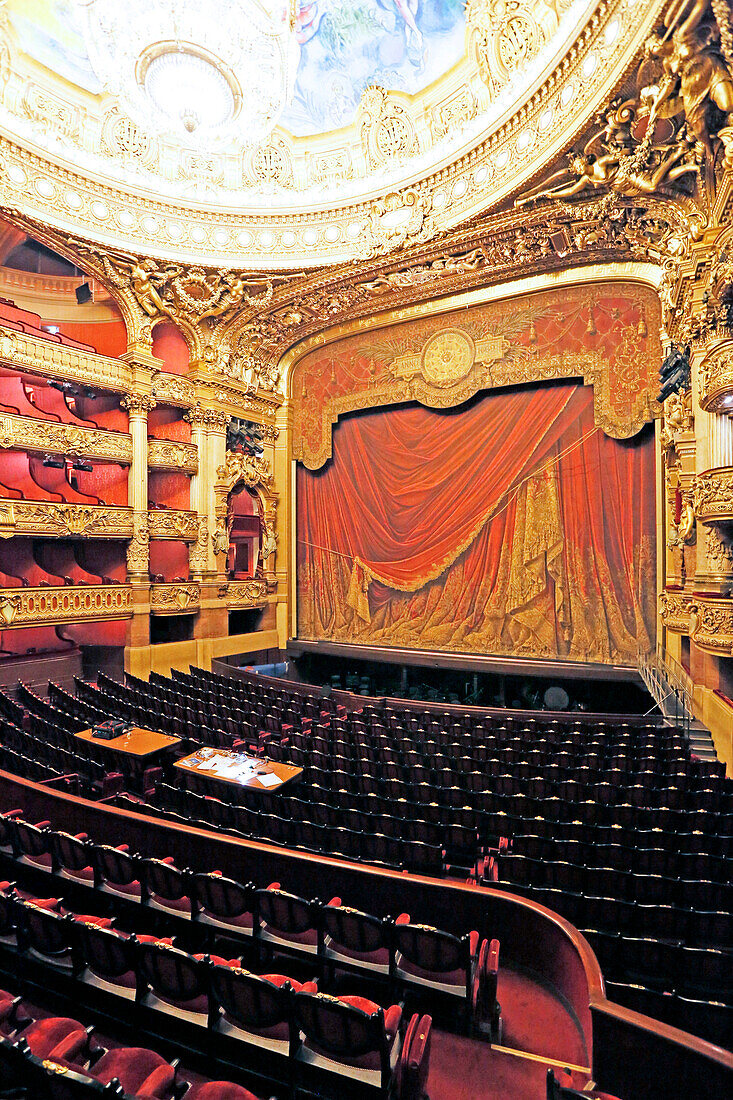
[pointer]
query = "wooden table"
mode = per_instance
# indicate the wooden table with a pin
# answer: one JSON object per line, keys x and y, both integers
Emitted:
{"x": 285, "y": 773}
{"x": 139, "y": 743}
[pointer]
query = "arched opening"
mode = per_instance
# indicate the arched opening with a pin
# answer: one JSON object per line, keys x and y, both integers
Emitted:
{"x": 244, "y": 526}
{"x": 170, "y": 346}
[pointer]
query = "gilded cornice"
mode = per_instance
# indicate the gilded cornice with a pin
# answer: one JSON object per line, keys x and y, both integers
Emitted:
{"x": 174, "y": 599}
{"x": 166, "y": 454}
{"x": 69, "y": 604}
{"x": 713, "y": 495}
{"x": 30, "y": 434}
{"x": 480, "y": 154}
{"x": 29, "y": 353}
{"x": 26, "y": 517}
{"x": 169, "y": 523}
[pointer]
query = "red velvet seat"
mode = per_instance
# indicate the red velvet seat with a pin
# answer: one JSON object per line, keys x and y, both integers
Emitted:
{"x": 253, "y": 1009}
{"x": 109, "y": 958}
{"x": 142, "y": 1073}
{"x": 32, "y": 843}
{"x": 173, "y": 982}
{"x": 427, "y": 958}
{"x": 415, "y": 1059}
{"x": 72, "y": 857}
{"x": 354, "y": 940}
{"x": 58, "y": 1038}
{"x": 116, "y": 871}
{"x": 286, "y": 920}
{"x": 338, "y": 1039}
{"x": 48, "y": 933}
{"x": 223, "y": 904}
{"x": 166, "y": 887}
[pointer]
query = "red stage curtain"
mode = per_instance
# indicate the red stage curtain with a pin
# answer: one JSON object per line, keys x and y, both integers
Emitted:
{"x": 510, "y": 526}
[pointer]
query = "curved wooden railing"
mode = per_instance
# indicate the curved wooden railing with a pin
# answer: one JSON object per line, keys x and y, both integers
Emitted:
{"x": 632, "y": 1055}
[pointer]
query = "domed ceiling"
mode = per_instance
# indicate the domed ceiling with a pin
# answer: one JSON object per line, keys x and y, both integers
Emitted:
{"x": 292, "y": 133}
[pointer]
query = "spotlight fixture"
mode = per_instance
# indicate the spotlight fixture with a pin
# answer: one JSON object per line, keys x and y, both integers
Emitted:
{"x": 83, "y": 294}
{"x": 54, "y": 462}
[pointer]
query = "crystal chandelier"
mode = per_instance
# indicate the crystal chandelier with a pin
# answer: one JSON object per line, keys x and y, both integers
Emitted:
{"x": 201, "y": 71}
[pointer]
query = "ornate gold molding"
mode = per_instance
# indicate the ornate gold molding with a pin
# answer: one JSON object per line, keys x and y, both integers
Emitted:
{"x": 713, "y": 495}
{"x": 716, "y": 378}
{"x": 255, "y": 474}
{"x": 165, "y": 454}
{"x": 210, "y": 418}
{"x": 32, "y": 353}
{"x": 711, "y": 624}
{"x": 174, "y": 599}
{"x": 138, "y": 404}
{"x": 25, "y": 517}
{"x": 674, "y": 608}
{"x": 70, "y": 604}
{"x": 170, "y": 524}
{"x": 29, "y": 434}
{"x": 240, "y": 595}
{"x": 240, "y": 467}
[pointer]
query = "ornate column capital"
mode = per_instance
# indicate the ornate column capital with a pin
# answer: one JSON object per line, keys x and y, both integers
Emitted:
{"x": 138, "y": 404}
{"x": 212, "y": 419}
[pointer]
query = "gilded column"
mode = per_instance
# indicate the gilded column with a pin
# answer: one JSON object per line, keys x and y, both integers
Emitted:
{"x": 207, "y": 556}
{"x": 138, "y": 406}
{"x": 283, "y": 470}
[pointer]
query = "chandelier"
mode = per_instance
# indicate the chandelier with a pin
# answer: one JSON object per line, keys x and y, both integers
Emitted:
{"x": 201, "y": 71}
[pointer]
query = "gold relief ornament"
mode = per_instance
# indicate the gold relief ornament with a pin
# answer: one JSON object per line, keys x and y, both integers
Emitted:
{"x": 173, "y": 524}
{"x": 502, "y": 36}
{"x": 198, "y": 559}
{"x": 245, "y": 593}
{"x": 713, "y": 495}
{"x": 441, "y": 268}
{"x": 138, "y": 548}
{"x": 220, "y": 539}
{"x": 171, "y": 389}
{"x": 172, "y": 455}
{"x": 245, "y": 468}
{"x": 172, "y": 599}
{"x": 9, "y": 607}
{"x": 718, "y": 552}
{"x": 70, "y": 603}
{"x": 387, "y": 131}
{"x": 674, "y": 608}
{"x": 711, "y": 624}
{"x": 400, "y": 220}
{"x": 716, "y": 379}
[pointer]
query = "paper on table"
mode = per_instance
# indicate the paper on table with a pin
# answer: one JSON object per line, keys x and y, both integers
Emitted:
{"x": 269, "y": 780}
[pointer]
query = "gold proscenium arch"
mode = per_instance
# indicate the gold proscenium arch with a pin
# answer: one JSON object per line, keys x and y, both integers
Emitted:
{"x": 447, "y": 359}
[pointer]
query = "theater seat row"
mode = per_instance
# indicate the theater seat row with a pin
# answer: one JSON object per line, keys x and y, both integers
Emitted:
{"x": 401, "y": 953}
{"x": 223, "y": 1007}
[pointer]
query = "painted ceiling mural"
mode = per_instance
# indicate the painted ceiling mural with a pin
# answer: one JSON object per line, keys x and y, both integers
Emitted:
{"x": 345, "y": 45}
{"x": 401, "y": 45}
{"x": 297, "y": 132}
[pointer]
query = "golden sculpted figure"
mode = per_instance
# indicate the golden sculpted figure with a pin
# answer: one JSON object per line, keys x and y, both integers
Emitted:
{"x": 640, "y": 149}
{"x": 697, "y": 76}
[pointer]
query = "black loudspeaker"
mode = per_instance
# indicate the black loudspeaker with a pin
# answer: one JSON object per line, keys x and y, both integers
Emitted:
{"x": 83, "y": 294}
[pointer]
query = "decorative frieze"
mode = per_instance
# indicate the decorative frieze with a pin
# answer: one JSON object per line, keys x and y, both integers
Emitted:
{"x": 171, "y": 524}
{"x": 240, "y": 595}
{"x": 174, "y": 599}
{"x": 711, "y": 623}
{"x": 171, "y": 389}
{"x": 32, "y": 353}
{"x": 674, "y": 608}
{"x": 29, "y": 434}
{"x": 69, "y": 604}
{"x": 167, "y": 454}
{"x": 713, "y": 495}
{"x": 29, "y": 517}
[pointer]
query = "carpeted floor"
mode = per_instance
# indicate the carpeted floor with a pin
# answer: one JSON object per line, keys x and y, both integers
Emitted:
{"x": 464, "y": 1069}
{"x": 537, "y": 1022}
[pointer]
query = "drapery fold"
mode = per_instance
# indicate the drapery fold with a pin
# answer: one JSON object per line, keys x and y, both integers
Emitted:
{"x": 511, "y": 525}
